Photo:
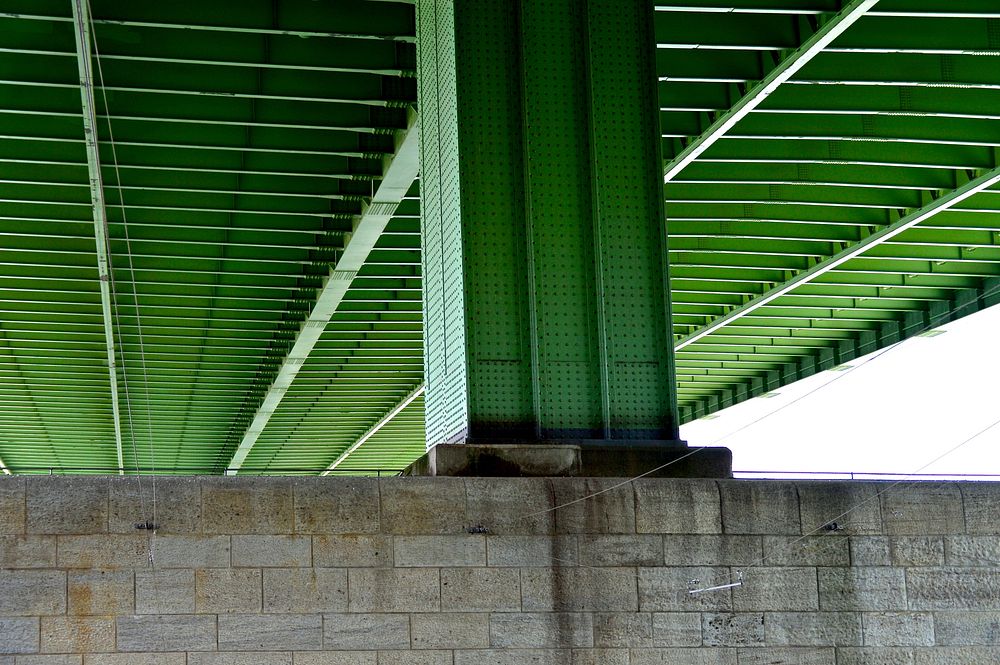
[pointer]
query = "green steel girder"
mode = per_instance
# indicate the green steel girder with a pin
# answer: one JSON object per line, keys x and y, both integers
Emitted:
{"x": 828, "y": 176}
{"x": 769, "y": 378}
{"x": 235, "y": 49}
{"x": 399, "y": 174}
{"x": 861, "y": 153}
{"x": 871, "y": 128}
{"x": 237, "y": 205}
{"x": 936, "y": 71}
{"x": 249, "y": 135}
{"x": 81, "y": 32}
{"x": 892, "y": 117}
{"x": 882, "y": 100}
{"x": 782, "y": 71}
{"x": 523, "y": 226}
{"x": 791, "y": 7}
{"x": 375, "y": 429}
{"x": 297, "y": 18}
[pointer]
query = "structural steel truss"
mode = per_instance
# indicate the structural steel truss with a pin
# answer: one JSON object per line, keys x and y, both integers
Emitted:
{"x": 830, "y": 168}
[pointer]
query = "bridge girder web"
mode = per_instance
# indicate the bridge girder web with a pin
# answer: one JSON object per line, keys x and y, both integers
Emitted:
{"x": 399, "y": 175}
{"x": 82, "y": 32}
{"x": 849, "y": 204}
{"x": 829, "y": 189}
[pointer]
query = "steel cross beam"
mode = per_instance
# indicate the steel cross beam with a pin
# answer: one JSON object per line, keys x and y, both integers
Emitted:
{"x": 784, "y": 70}
{"x": 81, "y": 18}
{"x": 398, "y": 175}
{"x": 942, "y": 203}
{"x": 383, "y": 421}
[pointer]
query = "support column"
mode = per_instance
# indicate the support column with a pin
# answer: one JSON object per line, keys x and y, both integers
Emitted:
{"x": 546, "y": 294}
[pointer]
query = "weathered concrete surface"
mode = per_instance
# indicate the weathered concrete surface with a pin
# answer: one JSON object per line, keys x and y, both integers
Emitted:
{"x": 498, "y": 571}
{"x": 584, "y": 459}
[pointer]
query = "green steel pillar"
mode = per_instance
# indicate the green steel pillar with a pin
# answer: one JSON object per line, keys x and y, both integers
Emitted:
{"x": 547, "y": 307}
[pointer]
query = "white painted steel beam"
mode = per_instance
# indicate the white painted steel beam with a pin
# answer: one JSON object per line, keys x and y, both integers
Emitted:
{"x": 81, "y": 18}
{"x": 398, "y": 175}
{"x": 940, "y": 204}
{"x": 385, "y": 420}
{"x": 787, "y": 68}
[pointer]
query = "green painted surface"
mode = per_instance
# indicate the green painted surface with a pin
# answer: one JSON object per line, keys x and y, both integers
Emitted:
{"x": 857, "y": 139}
{"x": 441, "y": 220}
{"x": 542, "y": 223}
{"x": 247, "y": 135}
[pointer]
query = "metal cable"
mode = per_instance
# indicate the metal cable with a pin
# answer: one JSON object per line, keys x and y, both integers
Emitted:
{"x": 878, "y": 494}
{"x": 111, "y": 283}
{"x": 841, "y": 375}
{"x": 135, "y": 295}
{"x": 767, "y": 415}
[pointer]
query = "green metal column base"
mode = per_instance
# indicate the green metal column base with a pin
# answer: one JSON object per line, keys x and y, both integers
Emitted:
{"x": 590, "y": 459}
{"x": 547, "y": 314}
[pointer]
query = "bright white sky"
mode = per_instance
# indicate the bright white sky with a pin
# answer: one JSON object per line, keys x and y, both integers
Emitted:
{"x": 895, "y": 413}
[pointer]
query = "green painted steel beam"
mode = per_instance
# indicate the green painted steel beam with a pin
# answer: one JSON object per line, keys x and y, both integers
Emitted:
{"x": 799, "y": 194}
{"x": 241, "y": 50}
{"x": 64, "y": 171}
{"x": 297, "y": 19}
{"x": 526, "y": 216}
{"x": 784, "y": 71}
{"x": 400, "y": 172}
{"x": 817, "y": 175}
{"x": 966, "y": 301}
{"x": 882, "y": 100}
{"x": 767, "y": 7}
{"x": 335, "y": 145}
{"x": 950, "y": 199}
{"x": 241, "y": 205}
{"x": 895, "y": 70}
{"x": 869, "y": 128}
{"x": 81, "y": 18}
{"x": 859, "y": 153}
{"x": 212, "y": 347}
{"x": 375, "y": 429}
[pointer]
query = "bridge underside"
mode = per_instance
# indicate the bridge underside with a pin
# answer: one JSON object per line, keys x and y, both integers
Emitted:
{"x": 226, "y": 269}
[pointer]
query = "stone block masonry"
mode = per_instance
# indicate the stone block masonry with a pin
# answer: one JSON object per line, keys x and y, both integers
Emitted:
{"x": 471, "y": 571}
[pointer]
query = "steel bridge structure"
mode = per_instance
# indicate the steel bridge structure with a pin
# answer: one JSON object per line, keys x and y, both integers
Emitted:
{"x": 211, "y": 250}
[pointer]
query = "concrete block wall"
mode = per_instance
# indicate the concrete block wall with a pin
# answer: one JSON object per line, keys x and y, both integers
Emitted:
{"x": 278, "y": 571}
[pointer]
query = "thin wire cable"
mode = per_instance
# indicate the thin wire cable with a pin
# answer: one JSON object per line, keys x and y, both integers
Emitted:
{"x": 836, "y": 539}
{"x": 906, "y": 479}
{"x": 881, "y": 492}
{"x": 839, "y": 539}
{"x": 842, "y": 374}
{"x": 128, "y": 399}
{"x": 112, "y": 287}
{"x": 694, "y": 451}
{"x": 613, "y": 487}
{"x": 839, "y": 376}
{"x": 701, "y": 448}
{"x": 820, "y": 527}
{"x": 131, "y": 267}
{"x": 759, "y": 562}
